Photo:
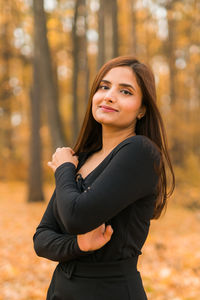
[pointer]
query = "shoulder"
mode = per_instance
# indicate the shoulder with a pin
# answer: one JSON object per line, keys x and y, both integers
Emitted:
{"x": 136, "y": 155}
{"x": 139, "y": 145}
{"x": 145, "y": 144}
{"x": 141, "y": 140}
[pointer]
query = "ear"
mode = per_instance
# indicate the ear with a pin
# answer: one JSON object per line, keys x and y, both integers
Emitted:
{"x": 142, "y": 112}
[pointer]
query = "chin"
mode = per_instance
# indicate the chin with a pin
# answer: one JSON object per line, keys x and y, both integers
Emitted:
{"x": 104, "y": 121}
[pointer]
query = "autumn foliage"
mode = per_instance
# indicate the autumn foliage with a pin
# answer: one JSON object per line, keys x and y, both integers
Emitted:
{"x": 169, "y": 265}
{"x": 76, "y": 38}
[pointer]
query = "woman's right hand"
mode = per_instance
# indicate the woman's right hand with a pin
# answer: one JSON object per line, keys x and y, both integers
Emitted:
{"x": 95, "y": 239}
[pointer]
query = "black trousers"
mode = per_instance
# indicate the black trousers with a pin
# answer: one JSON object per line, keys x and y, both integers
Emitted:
{"x": 118, "y": 280}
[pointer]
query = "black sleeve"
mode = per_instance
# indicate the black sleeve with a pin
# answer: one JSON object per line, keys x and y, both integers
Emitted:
{"x": 129, "y": 176}
{"x": 51, "y": 243}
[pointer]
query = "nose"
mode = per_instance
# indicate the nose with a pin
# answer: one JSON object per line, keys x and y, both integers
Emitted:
{"x": 110, "y": 96}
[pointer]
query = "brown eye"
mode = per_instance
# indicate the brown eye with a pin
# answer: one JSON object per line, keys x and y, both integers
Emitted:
{"x": 103, "y": 87}
{"x": 126, "y": 92}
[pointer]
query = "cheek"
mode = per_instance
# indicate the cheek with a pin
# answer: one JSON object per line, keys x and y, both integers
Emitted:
{"x": 94, "y": 104}
{"x": 130, "y": 107}
{"x": 96, "y": 98}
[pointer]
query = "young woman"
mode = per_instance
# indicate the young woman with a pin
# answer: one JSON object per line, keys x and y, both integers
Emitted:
{"x": 107, "y": 189}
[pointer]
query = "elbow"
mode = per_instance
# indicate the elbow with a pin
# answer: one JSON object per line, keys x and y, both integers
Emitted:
{"x": 38, "y": 246}
{"x": 38, "y": 250}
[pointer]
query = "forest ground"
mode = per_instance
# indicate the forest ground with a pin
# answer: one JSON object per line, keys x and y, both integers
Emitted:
{"x": 170, "y": 264}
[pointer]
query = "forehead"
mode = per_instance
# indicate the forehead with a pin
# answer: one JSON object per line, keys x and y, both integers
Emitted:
{"x": 120, "y": 73}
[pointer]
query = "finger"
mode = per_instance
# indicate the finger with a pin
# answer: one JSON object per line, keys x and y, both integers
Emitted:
{"x": 108, "y": 233}
{"x": 50, "y": 164}
{"x": 58, "y": 149}
{"x": 109, "y": 229}
{"x": 100, "y": 230}
{"x": 70, "y": 149}
{"x": 103, "y": 228}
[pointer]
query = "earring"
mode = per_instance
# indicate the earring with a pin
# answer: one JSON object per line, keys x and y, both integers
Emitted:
{"x": 139, "y": 117}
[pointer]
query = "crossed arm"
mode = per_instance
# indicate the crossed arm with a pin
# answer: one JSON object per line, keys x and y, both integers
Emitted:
{"x": 51, "y": 243}
{"x": 130, "y": 176}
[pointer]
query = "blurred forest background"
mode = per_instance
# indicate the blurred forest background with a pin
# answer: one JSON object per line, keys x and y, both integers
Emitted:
{"x": 50, "y": 52}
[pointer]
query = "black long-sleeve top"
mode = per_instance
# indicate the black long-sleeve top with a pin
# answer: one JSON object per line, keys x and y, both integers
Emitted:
{"x": 120, "y": 191}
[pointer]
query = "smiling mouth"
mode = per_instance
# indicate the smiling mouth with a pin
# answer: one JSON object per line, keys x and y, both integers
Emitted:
{"x": 108, "y": 108}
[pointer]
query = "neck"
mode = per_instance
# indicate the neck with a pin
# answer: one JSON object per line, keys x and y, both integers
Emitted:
{"x": 111, "y": 138}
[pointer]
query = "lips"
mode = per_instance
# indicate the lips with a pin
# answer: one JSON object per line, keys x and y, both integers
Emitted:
{"x": 107, "y": 108}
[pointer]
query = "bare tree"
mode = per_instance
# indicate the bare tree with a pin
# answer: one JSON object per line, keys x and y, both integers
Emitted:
{"x": 5, "y": 87}
{"x": 83, "y": 56}
{"x": 35, "y": 192}
{"x": 108, "y": 31}
{"x": 170, "y": 53}
{"x": 114, "y": 9}
{"x": 133, "y": 36}
{"x": 46, "y": 77}
{"x": 80, "y": 80}
{"x": 101, "y": 31}
{"x": 75, "y": 122}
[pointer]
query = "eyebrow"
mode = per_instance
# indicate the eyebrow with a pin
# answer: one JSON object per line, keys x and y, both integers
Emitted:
{"x": 121, "y": 84}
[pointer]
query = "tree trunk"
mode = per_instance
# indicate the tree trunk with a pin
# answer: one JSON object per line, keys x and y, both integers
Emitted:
{"x": 115, "y": 28}
{"x": 48, "y": 86}
{"x": 101, "y": 40}
{"x": 133, "y": 37}
{"x": 6, "y": 92}
{"x": 108, "y": 31}
{"x": 75, "y": 74}
{"x": 84, "y": 57}
{"x": 80, "y": 62}
{"x": 35, "y": 192}
{"x": 170, "y": 54}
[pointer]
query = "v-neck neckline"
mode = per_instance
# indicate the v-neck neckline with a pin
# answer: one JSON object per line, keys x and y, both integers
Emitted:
{"x": 103, "y": 161}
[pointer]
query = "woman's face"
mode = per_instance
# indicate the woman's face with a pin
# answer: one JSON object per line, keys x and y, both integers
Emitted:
{"x": 118, "y": 99}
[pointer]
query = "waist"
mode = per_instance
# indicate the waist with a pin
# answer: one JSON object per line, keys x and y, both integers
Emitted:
{"x": 100, "y": 269}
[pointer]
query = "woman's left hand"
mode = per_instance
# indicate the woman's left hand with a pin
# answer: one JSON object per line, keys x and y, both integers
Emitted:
{"x": 62, "y": 155}
{"x": 95, "y": 239}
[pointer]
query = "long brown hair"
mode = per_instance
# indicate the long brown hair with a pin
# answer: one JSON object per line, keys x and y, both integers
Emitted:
{"x": 150, "y": 125}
